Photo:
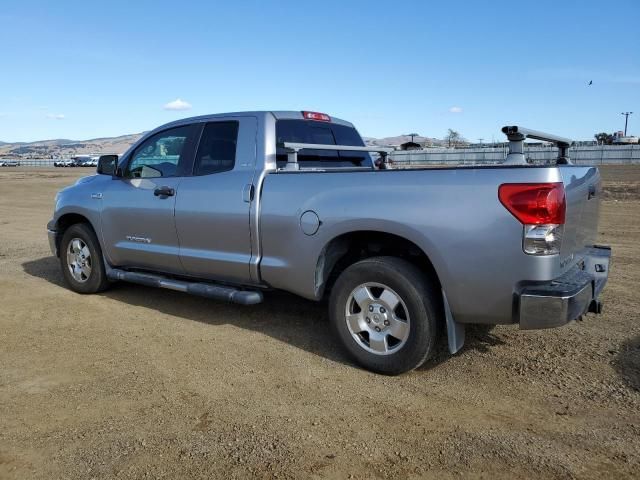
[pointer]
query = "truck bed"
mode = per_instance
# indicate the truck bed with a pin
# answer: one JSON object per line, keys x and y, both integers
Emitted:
{"x": 446, "y": 212}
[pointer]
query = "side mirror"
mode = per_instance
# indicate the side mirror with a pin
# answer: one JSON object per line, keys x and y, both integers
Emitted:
{"x": 107, "y": 165}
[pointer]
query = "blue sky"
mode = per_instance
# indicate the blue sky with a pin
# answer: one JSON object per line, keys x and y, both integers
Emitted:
{"x": 86, "y": 69}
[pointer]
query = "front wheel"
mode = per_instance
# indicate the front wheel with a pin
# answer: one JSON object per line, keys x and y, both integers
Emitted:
{"x": 81, "y": 260}
{"x": 385, "y": 312}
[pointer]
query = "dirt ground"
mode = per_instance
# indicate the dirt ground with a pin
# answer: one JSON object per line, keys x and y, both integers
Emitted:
{"x": 145, "y": 383}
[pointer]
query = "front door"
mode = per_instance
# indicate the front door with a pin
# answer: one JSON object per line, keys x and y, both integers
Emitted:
{"x": 212, "y": 206}
{"x": 138, "y": 224}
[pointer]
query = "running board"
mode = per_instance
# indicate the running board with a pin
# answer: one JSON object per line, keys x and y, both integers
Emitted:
{"x": 208, "y": 290}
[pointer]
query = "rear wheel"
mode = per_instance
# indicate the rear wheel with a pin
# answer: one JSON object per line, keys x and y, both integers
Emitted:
{"x": 385, "y": 312}
{"x": 81, "y": 260}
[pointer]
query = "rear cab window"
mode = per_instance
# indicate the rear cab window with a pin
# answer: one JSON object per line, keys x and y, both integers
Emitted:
{"x": 320, "y": 133}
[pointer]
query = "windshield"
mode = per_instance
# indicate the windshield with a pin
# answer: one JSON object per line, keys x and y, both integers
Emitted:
{"x": 322, "y": 133}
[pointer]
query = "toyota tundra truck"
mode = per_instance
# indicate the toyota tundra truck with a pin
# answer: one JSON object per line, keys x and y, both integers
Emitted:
{"x": 228, "y": 206}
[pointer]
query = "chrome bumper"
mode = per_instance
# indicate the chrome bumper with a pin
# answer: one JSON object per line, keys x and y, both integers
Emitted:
{"x": 52, "y": 241}
{"x": 556, "y": 303}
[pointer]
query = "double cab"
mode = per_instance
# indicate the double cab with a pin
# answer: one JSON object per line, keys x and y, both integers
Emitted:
{"x": 230, "y": 205}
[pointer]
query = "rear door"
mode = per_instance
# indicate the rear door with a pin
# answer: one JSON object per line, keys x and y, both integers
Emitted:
{"x": 213, "y": 205}
{"x": 138, "y": 224}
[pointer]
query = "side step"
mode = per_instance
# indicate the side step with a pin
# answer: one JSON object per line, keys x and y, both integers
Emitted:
{"x": 208, "y": 290}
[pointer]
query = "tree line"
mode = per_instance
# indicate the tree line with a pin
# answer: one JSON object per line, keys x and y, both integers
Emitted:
{"x": 604, "y": 138}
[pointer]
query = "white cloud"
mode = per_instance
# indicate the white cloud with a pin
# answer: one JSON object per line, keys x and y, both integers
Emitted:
{"x": 455, "y": 109}
{"x": 55, "y": 116}
{"x": 177, "y": 104}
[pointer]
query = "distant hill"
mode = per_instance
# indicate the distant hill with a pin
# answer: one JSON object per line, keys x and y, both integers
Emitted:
{"x": 400, "y": 139}
{"x": 65, "y": 147}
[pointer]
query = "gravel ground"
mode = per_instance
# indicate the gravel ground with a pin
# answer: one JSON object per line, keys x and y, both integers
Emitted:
{"x": 144, "y": 383}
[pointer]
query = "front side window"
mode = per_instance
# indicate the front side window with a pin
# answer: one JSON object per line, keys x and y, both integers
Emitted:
{"x": 161, "y": 155}
{"x": 217, "y": 149}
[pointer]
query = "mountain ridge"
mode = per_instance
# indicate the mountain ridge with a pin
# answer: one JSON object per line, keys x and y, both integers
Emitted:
{"x": 62, "y": 147}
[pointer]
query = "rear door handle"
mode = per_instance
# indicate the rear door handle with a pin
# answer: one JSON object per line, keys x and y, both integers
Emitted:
{"x": 247, "y": 193}
{"x": 164, "y": 192}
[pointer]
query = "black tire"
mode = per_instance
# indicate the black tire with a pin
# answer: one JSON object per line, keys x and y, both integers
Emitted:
{"x": 424, "y": 309}
{"x": 97, "y": 280}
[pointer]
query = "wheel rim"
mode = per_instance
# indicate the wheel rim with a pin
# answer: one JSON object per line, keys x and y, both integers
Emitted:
{"x": 79, "y": 260}
{"x": 377, "y": 318}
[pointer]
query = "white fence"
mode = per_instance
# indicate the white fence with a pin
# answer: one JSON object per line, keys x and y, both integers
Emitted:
{"x": 32, "y": 162}
{"x": 592, "y": 155}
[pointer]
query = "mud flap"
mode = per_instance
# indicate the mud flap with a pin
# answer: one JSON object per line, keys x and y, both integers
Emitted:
{"x": 455, "y": 331}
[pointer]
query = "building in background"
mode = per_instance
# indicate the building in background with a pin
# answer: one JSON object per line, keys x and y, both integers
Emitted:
{"x": 410, "y": 146}
{"x": 620, "y": 139}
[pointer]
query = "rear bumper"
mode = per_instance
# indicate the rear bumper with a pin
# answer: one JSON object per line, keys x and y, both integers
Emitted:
{"x": 558, "y": 302}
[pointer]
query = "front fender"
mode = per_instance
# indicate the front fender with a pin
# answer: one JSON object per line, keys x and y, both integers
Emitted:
{"x": 79, "y": 202}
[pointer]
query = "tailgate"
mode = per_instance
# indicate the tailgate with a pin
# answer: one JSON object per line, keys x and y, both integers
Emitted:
{"x": 583, "y": 191}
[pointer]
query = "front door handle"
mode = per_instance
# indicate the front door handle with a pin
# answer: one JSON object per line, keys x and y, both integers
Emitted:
{"x": 164, "y": 192}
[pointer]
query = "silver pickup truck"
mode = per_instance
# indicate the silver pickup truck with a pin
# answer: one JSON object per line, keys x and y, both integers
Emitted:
{"x": 227, "y": 206}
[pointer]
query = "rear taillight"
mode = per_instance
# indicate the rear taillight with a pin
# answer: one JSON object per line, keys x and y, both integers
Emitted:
{"x": 541, "y": 208}
{"x": 321, "y": 117}
{"x": 534, "y": 203}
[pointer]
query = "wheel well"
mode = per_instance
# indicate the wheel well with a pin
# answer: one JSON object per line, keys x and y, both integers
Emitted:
{"x": 65, "y": 221}
{"x": 347, "y": 249}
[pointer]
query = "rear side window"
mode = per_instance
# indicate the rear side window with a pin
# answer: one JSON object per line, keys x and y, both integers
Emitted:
{"x": 322, "y": 133}
{"x": 217, "y": 149}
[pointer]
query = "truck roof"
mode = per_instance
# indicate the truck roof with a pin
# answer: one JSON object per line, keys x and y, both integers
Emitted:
{"x": 277, "y": 114}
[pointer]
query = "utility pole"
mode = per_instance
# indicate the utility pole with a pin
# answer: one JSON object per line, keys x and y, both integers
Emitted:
{"x": 626, "y": 120}
{"x": 480, "y": 140}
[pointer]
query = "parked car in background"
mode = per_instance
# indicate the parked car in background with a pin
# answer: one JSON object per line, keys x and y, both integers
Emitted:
{"x": 64, "y": 163}
{"x": 78, "y": 161}
{"x": 92, "y": 161}
{"x": 9, "y": 163}
{"x": 227, "y": 206}
{"x": 83, "y": 161}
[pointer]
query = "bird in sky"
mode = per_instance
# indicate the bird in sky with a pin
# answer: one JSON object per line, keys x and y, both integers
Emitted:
{"x": 590, "y": 82}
